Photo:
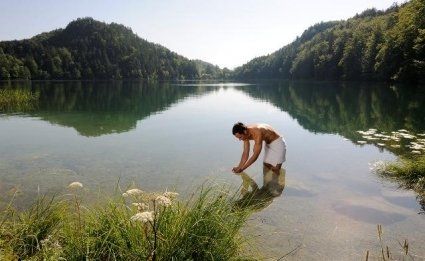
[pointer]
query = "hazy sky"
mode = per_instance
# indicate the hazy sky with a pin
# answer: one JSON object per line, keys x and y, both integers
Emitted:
{"x": 223, "y": 32}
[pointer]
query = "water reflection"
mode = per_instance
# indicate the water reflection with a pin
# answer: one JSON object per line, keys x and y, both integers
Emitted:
{"x": 99, "y": 108}
{"x": 258, "y": 198}
{"x": 344, "y": 108}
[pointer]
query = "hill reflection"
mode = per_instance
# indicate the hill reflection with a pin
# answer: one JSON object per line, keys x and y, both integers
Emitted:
{"x": 345, "y": 108}
{"x": 99, "y": 108}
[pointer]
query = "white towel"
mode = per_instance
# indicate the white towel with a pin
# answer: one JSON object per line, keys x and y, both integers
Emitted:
{"x": 275, "y": 152}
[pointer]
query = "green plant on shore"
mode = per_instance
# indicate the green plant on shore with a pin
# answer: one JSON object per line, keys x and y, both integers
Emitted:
{"x": 23, "y": 232}
{"x": 16, "y": 100}
{"x": 134, "y": 226}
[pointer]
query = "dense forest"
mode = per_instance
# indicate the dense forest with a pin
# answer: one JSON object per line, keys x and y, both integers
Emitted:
{"x": 374, "y": 45}
{"x": 89, "y": 49}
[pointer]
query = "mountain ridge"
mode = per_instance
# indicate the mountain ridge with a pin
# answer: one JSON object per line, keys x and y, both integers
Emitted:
{"x": 90, "y": 49}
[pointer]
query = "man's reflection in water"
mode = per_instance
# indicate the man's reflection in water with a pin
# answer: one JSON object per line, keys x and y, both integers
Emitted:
{"x": 258, "y": 198}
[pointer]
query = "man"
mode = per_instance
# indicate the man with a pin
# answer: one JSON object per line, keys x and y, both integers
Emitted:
{"x": 275, "y": 147}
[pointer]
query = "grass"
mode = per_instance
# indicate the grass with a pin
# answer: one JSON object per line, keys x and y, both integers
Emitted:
{"x": 13, "y": 100}
{"x": 205, "y": 227}
{"x": 408, "y": 172}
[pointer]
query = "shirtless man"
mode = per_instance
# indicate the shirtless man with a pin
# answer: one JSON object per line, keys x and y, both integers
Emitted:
{"x": 275, "y": 147}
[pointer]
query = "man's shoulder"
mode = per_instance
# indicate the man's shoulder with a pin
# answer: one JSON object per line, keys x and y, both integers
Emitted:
{"x": 256, "y": 125}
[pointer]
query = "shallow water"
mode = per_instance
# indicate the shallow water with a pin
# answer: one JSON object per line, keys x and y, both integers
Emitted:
{"x": 177, "y": 135}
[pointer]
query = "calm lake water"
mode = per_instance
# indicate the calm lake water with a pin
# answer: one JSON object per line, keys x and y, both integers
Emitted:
{"x": 178, "y": 135}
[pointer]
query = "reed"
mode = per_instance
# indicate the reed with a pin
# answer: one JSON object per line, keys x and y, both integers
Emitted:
{"x": 384, "y": 253}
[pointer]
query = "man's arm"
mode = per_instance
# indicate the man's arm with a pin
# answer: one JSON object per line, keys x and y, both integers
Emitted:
{"x": 245, "y": 153}
{"x": 256, "y": 152}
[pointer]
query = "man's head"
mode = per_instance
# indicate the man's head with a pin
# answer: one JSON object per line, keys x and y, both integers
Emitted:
{"x": 240, "y": 131}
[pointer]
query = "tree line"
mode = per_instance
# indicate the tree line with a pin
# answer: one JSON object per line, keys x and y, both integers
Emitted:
{"x": 374, "y": 45}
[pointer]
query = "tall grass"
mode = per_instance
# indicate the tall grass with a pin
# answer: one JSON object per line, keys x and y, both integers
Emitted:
{"x": 205, "y": 227}
{"x": 14, "y": 100}
{"x": 21, "y": 233}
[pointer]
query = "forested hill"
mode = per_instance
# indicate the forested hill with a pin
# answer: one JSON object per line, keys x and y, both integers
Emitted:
{"x": 89, "y": 49}
{"x": 374, "y": 45}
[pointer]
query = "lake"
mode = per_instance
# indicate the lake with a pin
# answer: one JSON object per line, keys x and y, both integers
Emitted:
{"x": 177, "y": 136}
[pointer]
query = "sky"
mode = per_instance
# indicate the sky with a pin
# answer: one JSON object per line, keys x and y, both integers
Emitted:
{"x": 227, "y": 33}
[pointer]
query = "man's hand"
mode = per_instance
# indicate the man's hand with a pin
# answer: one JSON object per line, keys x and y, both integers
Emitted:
{"x": 237, "y": 169}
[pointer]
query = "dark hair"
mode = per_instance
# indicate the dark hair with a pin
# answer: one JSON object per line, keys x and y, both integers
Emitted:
{"x": 239, "y": 127}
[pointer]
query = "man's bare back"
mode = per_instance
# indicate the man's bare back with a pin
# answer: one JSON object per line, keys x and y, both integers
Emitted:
{"x": 262, "y": 131}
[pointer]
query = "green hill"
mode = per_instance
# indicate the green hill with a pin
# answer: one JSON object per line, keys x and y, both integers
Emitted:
{"x": 210, "y": 71}
{"x": 89, "y": 49}
{"x": 374, "y": 45}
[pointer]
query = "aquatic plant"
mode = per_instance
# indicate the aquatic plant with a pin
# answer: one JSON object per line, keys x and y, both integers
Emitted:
{"x": 408, "y": 172}
{"x": 402, "y": 142}
{"x": 17, "y": 100}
